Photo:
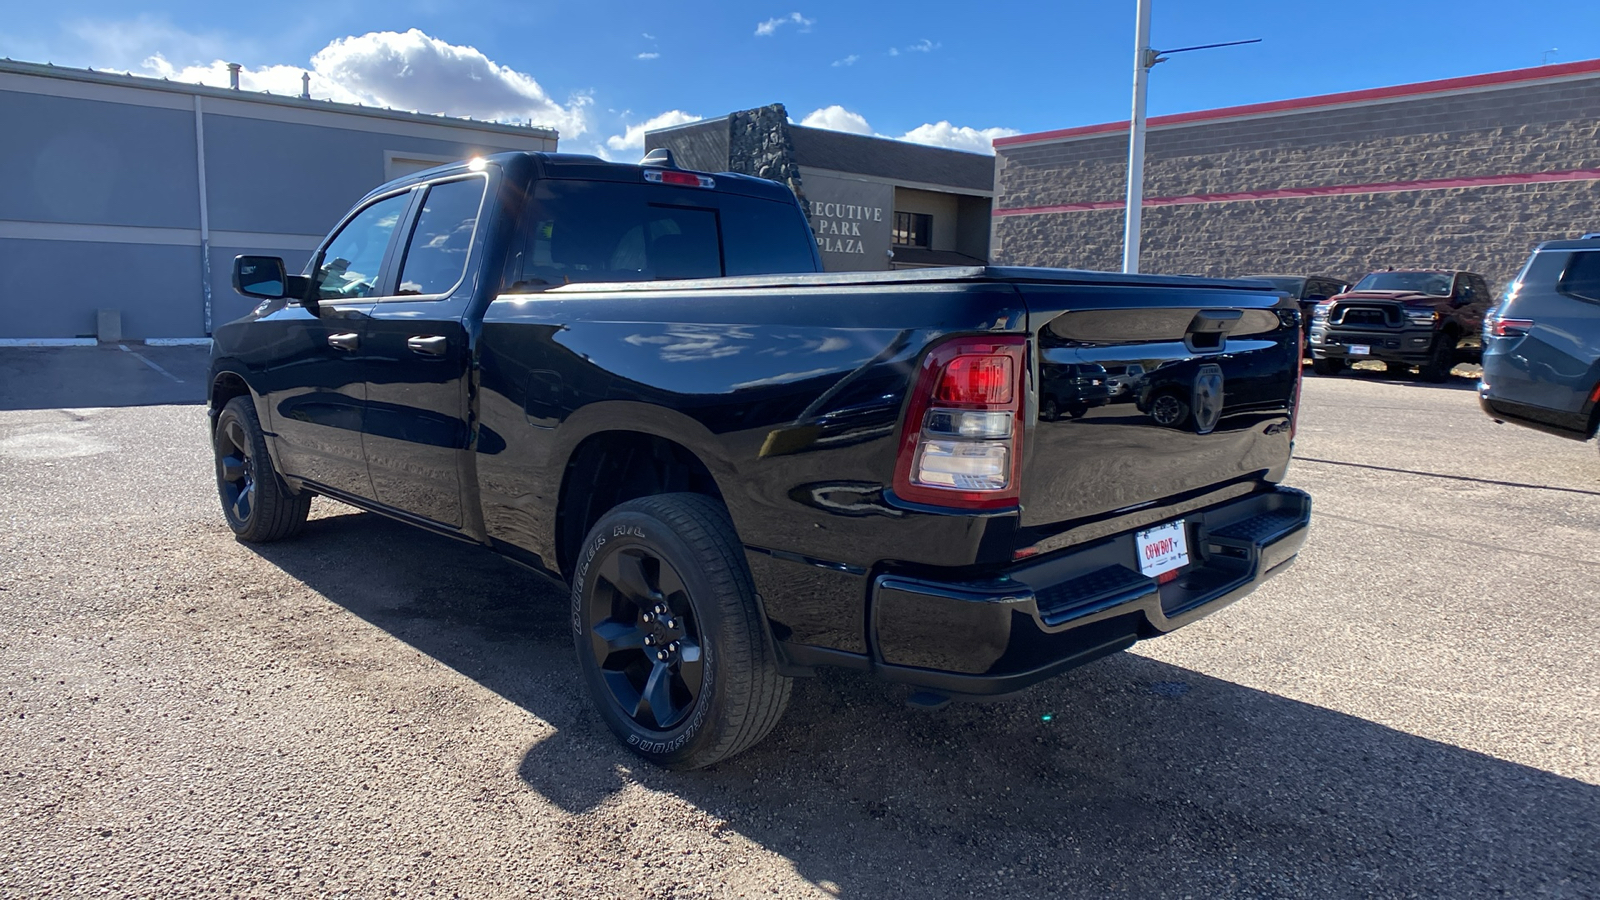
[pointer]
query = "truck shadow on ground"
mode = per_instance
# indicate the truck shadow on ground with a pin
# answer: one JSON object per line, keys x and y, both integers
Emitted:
{"x": 1128, "y": 776}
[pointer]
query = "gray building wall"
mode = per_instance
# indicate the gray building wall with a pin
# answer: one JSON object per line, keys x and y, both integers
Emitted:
{"x": 83, "y": 161}
{"x": 1431, "y": 145}
{"x": 101, "y": 208}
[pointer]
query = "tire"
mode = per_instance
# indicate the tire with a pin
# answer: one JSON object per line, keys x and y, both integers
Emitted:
{"x": 1397, "y": 370}
{"x": 707, "y": 660}
{"x": 259, "y": 507}
{"x": 1327, "y": 366}
{"x": 1169, "y": 409}
{"x": 1077, "y": 411}
{"x": 1441, "y": 359}
{"x": 1048, "y": 410}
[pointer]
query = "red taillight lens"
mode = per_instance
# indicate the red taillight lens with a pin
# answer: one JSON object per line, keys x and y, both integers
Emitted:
{"x": 961, "y": 441}
{"x": 1510, "y": 327}
{"x": 982, "y": 380}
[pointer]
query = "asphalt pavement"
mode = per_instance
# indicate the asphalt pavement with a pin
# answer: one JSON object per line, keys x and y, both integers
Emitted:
{"x": 1412, "y": 710}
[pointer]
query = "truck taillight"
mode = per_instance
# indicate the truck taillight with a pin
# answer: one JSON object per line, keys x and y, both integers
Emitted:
{"x": 962, "y": 438}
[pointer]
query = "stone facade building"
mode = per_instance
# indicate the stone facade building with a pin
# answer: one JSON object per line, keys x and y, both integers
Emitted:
{"x": 874, "y": 203}
{"x": 1461, "y": 173}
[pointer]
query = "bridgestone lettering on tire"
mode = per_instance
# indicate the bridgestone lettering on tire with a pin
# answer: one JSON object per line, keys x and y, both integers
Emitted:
{"x": 670, "y": 640}
{"x": 259, "y": 507}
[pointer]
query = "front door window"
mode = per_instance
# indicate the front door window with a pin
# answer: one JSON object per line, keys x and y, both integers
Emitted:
{"x": 351, "y": 263}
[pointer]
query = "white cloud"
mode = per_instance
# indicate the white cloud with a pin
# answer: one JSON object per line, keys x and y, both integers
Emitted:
{"x": 940, "y": 134}
{"x": 922, "y": 46}
{"x": 943, "y": 134}
{"x": 648, "y": 36}
{"x": 837, "y": 118}
{"x": 411, "y": 71}
{"x": 633, "y": 137}
{"x": 847, "y": 61}
{"x": 648, "y": 56}
{"x": 771, "y": 26}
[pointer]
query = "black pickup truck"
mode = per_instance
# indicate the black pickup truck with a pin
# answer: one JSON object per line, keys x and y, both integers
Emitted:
{"x": 637, "y": 380}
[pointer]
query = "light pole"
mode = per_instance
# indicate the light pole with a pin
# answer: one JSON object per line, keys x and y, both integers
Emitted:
{"x": 1144, "y": 57}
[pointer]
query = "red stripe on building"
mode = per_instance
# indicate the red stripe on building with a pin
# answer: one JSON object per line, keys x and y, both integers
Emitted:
{"x": 1389, "y": 187}
{"x": 1444, "y": 85}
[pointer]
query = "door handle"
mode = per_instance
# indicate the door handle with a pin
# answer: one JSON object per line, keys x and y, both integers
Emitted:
{"x": 428, "y": 344}
{"x": 347, "y": 340}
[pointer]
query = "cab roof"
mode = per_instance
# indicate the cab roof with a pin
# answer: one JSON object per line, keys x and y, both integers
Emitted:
{"x": 520, "y": 164}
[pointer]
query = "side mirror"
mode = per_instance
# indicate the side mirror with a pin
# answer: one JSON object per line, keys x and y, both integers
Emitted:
{"x": 262, "y": 277}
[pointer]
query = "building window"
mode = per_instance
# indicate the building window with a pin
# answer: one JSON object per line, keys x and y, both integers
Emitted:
{"x": 912, "y": 229}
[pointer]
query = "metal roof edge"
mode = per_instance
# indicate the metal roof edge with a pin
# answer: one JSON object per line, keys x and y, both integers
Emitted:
{"x": 145, "y": 82}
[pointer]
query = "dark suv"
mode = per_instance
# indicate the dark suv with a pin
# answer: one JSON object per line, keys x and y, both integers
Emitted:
{"x": 1403, "y": 318}
{"x": 1309, "y": 290}
{"x": 1541, "y": 345}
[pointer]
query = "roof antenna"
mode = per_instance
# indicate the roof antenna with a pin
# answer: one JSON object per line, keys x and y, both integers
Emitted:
{"x": 660, "y": 156}
{"x": 305, "y": 85}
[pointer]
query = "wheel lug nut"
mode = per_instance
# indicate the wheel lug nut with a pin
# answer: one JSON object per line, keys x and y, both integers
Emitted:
{"x": 670, "y": 624}
{"x": 649, "y": 640}
{"x": 648, "y": 617}
{"x": 661, "y": 609}
{"x": 661, "y": 655}
{"x": 672, "y": 647}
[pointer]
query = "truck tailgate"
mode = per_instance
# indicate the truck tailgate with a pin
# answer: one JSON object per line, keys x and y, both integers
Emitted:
{"x": 1151, "y": 396}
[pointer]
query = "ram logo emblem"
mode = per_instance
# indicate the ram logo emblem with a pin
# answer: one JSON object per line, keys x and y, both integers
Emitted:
{"x": 1207, "y": 398}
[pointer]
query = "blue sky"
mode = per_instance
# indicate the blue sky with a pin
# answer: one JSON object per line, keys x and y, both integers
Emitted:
{"x": 598, "y": 68}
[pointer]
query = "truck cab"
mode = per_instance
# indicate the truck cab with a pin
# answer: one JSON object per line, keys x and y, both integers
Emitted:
{"x": 1423, "y": 318}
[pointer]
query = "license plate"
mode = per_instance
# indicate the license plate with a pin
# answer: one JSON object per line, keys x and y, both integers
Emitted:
{"x": 1360, "y": 350}
{"x": 1162, "y": 549}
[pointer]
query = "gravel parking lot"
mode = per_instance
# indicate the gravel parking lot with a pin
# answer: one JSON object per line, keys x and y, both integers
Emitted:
{"x": 1412, "y": 710}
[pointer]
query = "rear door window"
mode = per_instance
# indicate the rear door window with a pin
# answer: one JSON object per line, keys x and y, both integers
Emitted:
{"x": 1582, "y": 276}
{"x": 436, "y": 255}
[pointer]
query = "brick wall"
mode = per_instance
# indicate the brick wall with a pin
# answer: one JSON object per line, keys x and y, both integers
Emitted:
{"x": 1487, "y": 135}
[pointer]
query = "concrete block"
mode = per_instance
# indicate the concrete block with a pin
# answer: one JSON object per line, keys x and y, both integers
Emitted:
{"x": 108, "y": 325}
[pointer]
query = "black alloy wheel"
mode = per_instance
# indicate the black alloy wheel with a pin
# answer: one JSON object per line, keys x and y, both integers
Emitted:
{"x": 258, "y": 506}
{"x": 676, "y": 654}
{"x": 1048, "y": 410}
{"x": 236, "y": 471}
{"x": 644, "y": 636}
{"x": 1168, "y": 410}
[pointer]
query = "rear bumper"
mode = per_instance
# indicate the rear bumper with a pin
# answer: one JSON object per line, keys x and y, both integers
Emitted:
{"x": 1501, "y": 377}
{"x": 1002, "y": 634}
{"x": 1551, "y": 421}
